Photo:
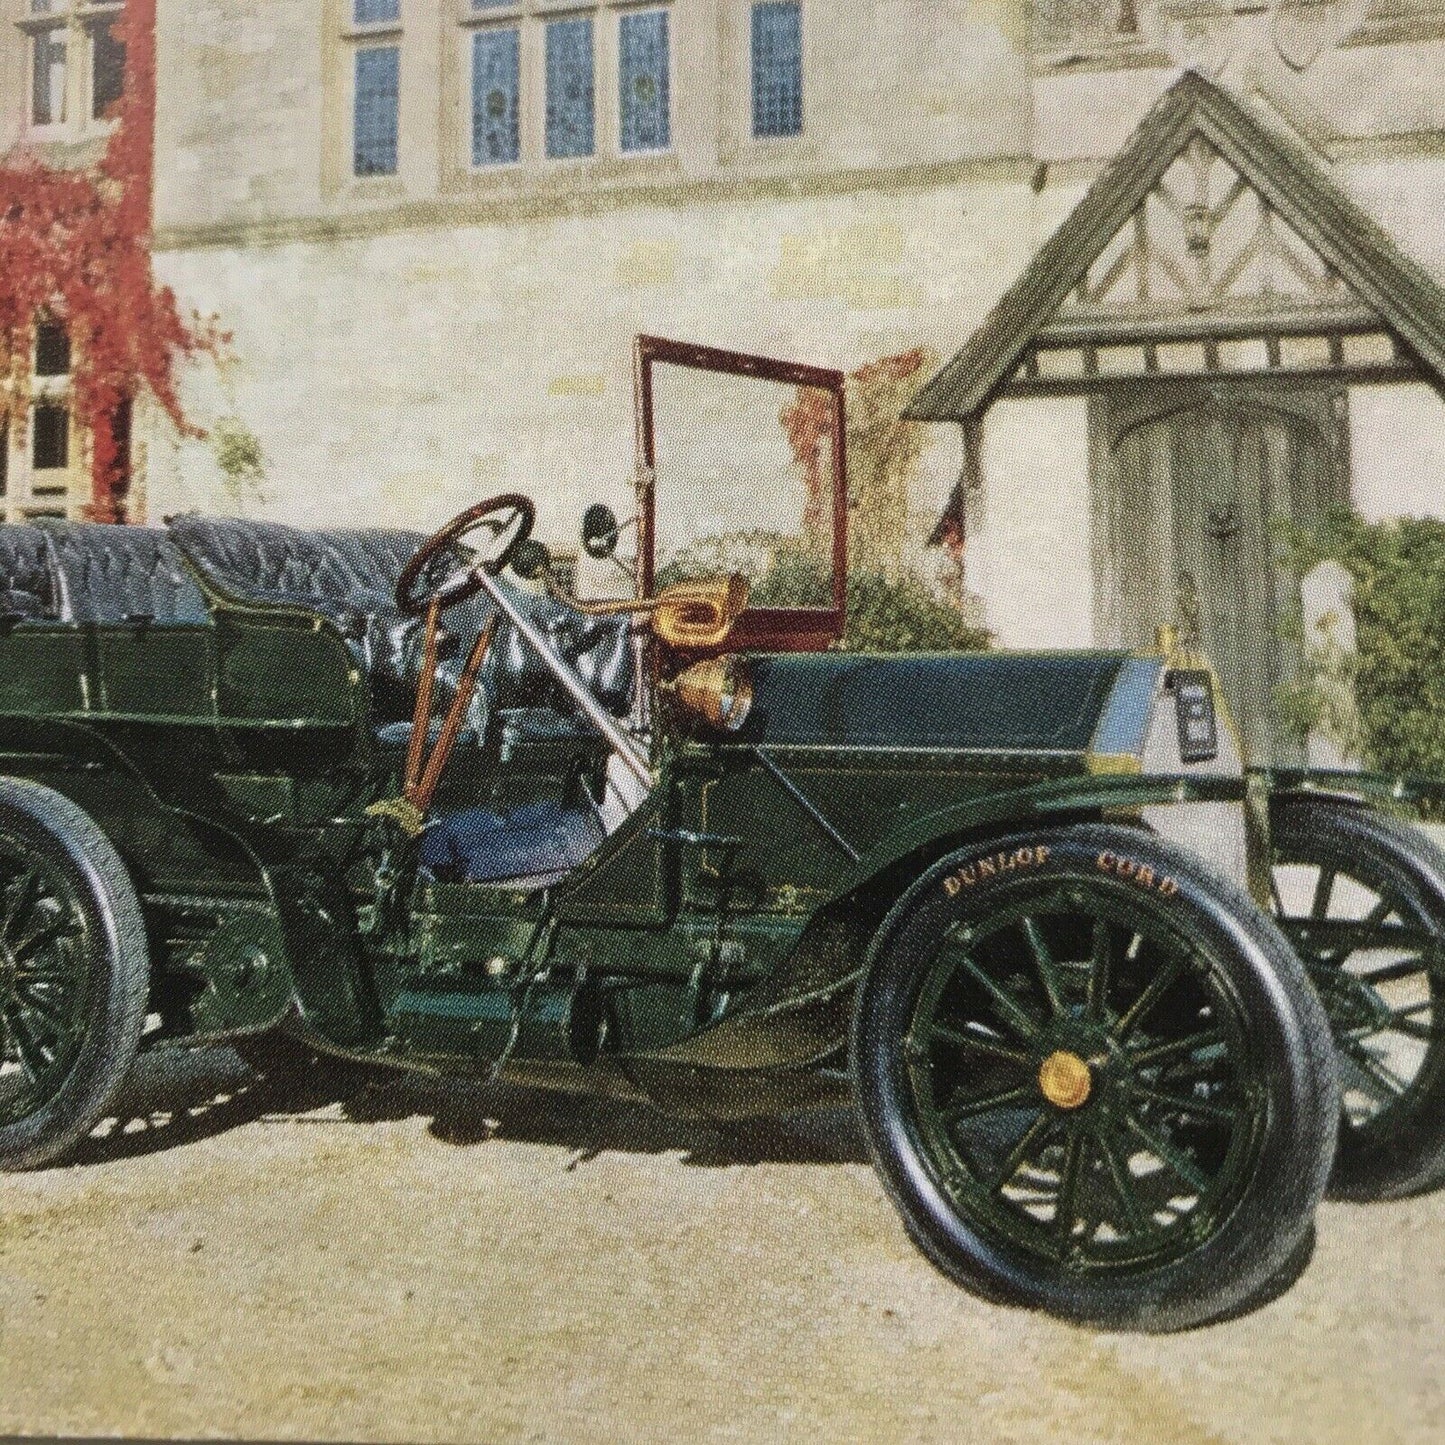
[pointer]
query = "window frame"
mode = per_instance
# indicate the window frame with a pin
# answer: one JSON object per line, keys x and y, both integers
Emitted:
{"x": 95, "y": 19}
{"x": 512, "y": 23}
{"x": 77, "y": 22}
{"x": 353, "y": 38}
{"x": 51, "y": 406}
{"x": 550, "y": 24}
{"x": 377, "y": 24}
{"x": 771, "y": 138}
{"x": 387, "y": 46}
{"x": 55, "y": 23}
{"x": 30, "y": 491}
{"x": 623, "y": 15}
{"x": 531, "y": 19}
{"x": 51, "y": 391}
{"x": 51, "y": 378}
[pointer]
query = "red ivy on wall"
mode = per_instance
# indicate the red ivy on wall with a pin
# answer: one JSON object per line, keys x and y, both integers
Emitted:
{"x": 808, "y": 422}
{"x": 75, "y": 246}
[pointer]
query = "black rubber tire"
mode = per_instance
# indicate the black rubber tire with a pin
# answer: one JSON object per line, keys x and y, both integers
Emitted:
{"x": 1404, "y": 1154}
{"x": 1263, "y": 1232}
{"x": 48, "y": 825}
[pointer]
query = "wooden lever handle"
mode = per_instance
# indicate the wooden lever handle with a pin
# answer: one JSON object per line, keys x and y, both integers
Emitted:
{"x": 423, "y": 791}
{"x": 421, "y": 719}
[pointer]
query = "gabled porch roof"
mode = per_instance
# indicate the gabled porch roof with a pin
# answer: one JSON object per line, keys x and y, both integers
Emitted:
{"x": 1214, "y": 234}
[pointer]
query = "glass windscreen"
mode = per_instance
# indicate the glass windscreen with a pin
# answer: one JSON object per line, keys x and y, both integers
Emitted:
{"x": 744, "y": 483}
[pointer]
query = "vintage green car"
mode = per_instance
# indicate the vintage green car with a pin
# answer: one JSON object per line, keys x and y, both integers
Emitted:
{"x": 359, "y": 787}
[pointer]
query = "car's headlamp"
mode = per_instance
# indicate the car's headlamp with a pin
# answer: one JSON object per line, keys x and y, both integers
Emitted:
{"x": 718, "y": 690}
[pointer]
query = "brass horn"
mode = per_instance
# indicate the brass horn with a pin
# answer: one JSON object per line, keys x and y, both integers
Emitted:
{"x": 701, "y": 613}
{"x": 693, "y": 614}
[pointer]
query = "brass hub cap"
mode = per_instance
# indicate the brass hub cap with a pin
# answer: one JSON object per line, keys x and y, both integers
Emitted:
{"x": 1065, "y": 1080}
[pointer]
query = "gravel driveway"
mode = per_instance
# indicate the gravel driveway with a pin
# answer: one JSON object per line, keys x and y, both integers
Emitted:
{"x": 401, "y": 1261}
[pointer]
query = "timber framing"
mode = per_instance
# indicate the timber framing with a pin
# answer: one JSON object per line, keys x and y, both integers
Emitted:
{"x": 1212, "y": 245}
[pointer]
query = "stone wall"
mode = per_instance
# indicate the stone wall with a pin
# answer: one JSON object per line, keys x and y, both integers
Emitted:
{"x": 253, "y": 123}
{"x": 399, "y": 376}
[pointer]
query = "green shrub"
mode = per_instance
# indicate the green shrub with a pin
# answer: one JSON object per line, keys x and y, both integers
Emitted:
{"x": 903, "y": 615}
{"x": 885, "y": 614}
{"x": 243, "y": 465}
{"x": 1399, "y": 603}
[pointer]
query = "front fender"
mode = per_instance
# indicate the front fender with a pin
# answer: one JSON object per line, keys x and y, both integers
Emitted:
{"x": 799, "y": 1016}
{"x": 1050, "y": 802}
{"x": 1346, "y": 785}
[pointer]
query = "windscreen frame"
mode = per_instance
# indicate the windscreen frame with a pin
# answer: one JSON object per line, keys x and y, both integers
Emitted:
{"x": 767, "y": 629}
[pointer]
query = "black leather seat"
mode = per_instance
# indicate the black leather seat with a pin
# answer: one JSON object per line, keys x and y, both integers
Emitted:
{"x": 90, "y": 573}
{"x": 27, "y": 577}
{"x": 93, "y": 573}
{"x": 85, "y": 572}
{"x": 271, "y": 563}
{"x": 349, "y": 576}
{"x": 106, "y": 574}
{"x": 597, "y": 648}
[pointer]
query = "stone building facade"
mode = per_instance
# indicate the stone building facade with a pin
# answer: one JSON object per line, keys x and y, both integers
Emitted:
{"x": 410, "y": 338}
{"x": 434, "y": 226}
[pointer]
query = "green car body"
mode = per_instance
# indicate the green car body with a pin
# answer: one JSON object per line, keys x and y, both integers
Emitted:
{"x": 231, "y": 763}
{"x": 203, "y": 739}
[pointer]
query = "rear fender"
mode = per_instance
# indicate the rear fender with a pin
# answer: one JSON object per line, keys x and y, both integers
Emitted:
{"x": 242, "y": 945}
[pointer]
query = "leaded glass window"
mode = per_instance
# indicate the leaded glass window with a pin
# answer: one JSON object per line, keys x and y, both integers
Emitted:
{"x": 378, "y": 89}
{"x": 643, "y": 81}
{"x": 570, "y": 97}
{"x": 372, "y": 12}
{"x": 107, "y": 68}
{"x": 47, "y": 94}
{"x": 777, "y": 68}
{"x": 496, "y": 132}
{"x": 50, "y": 429}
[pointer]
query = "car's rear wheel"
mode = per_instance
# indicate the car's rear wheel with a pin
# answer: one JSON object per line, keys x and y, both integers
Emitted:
{"x": 1095, "y": 1079}
{"x": 1362, "y": 899}
{"x": 74, "y": 974}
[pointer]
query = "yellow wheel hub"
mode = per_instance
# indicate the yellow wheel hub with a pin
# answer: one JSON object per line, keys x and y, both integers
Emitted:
{"x": 1065, "y": 1080}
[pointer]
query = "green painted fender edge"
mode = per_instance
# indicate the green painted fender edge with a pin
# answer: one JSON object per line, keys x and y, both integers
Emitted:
{"x": 801, "y": 1014}
{"x": 1043, "y": 802}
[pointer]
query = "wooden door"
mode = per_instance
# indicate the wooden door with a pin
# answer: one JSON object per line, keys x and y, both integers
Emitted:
{"x": 1193, "y": 496}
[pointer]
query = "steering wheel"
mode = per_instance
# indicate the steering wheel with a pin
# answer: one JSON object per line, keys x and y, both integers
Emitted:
{"x": 509, "y": 517}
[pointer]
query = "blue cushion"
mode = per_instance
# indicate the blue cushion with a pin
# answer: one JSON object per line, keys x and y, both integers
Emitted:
{"x": 480, "y": 846}
{"x": 398, "y": 735}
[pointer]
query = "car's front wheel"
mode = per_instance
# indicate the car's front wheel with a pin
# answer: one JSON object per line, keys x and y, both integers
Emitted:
{"x": 1095, "y": 1079}
{"x": 74, "y": 974}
